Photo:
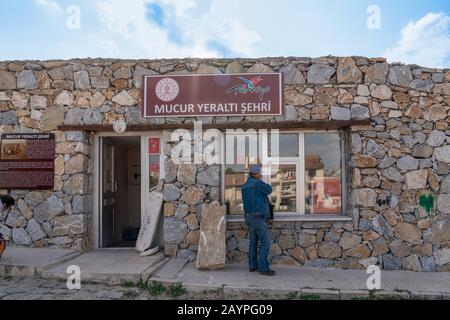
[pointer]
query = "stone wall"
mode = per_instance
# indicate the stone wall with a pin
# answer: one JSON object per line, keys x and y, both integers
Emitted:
{"x": 398, "y": 168}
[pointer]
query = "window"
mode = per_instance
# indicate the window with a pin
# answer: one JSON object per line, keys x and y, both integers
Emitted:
{"x": 323, "y": 174}
{"x": 246, "y": 151}
{"x": 304, "y": 169}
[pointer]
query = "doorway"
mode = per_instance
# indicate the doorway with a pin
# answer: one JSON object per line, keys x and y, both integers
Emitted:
{"x": 120, "y": 191}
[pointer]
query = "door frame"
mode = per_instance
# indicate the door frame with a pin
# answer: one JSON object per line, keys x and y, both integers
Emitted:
{"x": 97, "y": 169}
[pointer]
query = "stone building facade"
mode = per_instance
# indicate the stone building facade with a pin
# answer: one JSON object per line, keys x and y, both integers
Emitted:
{"x": 397, "y": 208}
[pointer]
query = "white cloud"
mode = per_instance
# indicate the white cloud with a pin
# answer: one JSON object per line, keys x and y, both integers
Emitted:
{"x": 209, "y": 35}
{"x": 181, "y": 6}
{"x": 425, "y": 42}
{"x": 50, "y": 5}
{"x": 104, "y": 46}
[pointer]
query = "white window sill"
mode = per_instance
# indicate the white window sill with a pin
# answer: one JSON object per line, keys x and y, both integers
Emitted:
{"x": 299, "y": 218}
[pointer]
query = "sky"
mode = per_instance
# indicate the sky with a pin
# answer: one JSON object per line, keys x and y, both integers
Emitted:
{"x": 408, "y": 31}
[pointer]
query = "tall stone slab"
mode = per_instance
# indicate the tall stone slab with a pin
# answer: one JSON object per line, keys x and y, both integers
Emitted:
{"x": 150, "y": 222}
{"x": 212, "y": 246}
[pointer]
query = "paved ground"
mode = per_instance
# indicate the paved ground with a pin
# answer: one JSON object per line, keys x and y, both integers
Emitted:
{"x": 19, "y": 261}
{"x": 49, "y": 289}
{"x": 112, "y": 266}
{"x": 122, "y": 274}
{"x": 45, "y": 289}
{"x": 328, "y": 283}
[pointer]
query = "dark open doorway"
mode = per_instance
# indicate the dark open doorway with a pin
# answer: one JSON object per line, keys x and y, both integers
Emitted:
{"x": 121, "y": 191}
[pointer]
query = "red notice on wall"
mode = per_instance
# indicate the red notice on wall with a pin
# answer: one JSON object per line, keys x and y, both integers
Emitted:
{"x": 153, "y": 146}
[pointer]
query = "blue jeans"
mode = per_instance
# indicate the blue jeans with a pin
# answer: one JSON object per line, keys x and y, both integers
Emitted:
{"x": 259, "y": 236}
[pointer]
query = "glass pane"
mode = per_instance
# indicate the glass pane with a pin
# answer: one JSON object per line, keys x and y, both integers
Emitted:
{"x": 154, "y": 171}
{"x": 323, "y": 173}
{"x": 246, "y": 151}
{"x": 284, "y": 184}
{"x": 235, "y": 177}
{"x": 108, "y": 170}
{"x": 287, "y": 145}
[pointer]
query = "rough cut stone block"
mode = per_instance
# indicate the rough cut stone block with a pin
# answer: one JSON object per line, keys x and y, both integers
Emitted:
{"x": 70, "y": 225}
{"x": 443, "y": 203}
{"x": 442, "y": 154}
{"x": 340, "y": 113}
{"x": 34, "y": 230}
{"x": 292, "y": 75}
{"x": 26, "y": 80}
{"x": 81, "y": 79}
{"x": 124, "y": 99}
{"x": 212, "y": 246}
{"x": 348, "y": 72}
{"x": 442, "y": 256}
{"x": 320, "y": 74}
{"x": 7, "y": 80}
{"x": 150, "y": 222}
{"x": 417, "y": 179}
{"x": 359, "y": 112}
{"x": 400, "y": 76}
{"x": 175, "y": 230}
{"x": 139, "y": 73}
{"x": 21, "y": 237}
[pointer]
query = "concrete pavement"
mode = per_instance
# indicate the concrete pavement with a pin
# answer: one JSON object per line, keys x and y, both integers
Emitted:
{"x": 117, "y": 266}
{"x": 112, "y": 266}
{"x": 28, "y": 262}
{"x": 327, "y": 283}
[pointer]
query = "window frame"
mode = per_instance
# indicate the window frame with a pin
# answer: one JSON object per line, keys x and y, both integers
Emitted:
{"x": 300, "y": 177}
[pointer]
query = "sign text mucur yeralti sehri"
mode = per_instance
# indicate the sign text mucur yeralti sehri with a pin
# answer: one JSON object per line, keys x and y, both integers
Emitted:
{"x": 212, "y": 95}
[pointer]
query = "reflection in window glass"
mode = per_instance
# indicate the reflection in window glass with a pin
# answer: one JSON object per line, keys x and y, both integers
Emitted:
{"x": 284, "y": 188}
{"x": 154, "y": 170}
{"x": 236, "y": 173}
{"x": 235, "y": 177}
{"x": 287, "y": 145}
{"x": 322, "y": 173}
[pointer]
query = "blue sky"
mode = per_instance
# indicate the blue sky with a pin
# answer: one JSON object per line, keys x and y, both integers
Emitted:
{"x": 414, "y": 31}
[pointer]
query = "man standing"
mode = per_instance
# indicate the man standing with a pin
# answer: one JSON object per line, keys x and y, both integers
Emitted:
{"x": 257, "y": 212}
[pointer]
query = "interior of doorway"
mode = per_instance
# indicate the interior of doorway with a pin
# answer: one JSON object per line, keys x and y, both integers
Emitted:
{"x": 121, "y": 191}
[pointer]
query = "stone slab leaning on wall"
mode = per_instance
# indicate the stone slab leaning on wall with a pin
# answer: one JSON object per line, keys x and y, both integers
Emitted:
{"x": 212, "y": 247}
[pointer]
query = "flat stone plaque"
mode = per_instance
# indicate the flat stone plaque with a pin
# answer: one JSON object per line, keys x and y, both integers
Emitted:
{"x": 212, "y": 245}
{"x": 150, "y": 223}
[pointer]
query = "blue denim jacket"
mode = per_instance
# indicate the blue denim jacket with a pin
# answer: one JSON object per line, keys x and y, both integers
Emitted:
{"x": 254, "y": 196}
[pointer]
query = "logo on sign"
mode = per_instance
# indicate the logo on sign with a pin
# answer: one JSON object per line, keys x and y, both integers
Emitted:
{"x": 167, "y": 89}
{"x": 250, "y": 86}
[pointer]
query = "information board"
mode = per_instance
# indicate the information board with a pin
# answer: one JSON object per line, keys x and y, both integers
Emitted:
{"x": 27, "y": 161}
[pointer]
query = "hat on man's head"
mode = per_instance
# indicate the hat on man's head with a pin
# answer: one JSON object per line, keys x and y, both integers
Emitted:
{"x": 255, "y": 168}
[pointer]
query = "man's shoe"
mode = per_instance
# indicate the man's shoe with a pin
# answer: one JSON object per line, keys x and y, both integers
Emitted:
{"x": 267, "y": 273}
{"x": 252, "y": 270}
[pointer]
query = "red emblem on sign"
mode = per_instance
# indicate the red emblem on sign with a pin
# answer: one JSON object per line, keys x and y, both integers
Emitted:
{"x": 167, "y": 89}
